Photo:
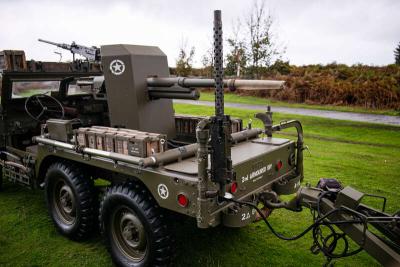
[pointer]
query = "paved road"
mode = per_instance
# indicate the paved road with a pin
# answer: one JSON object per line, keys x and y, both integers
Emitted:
{"x": 338, "y": 115}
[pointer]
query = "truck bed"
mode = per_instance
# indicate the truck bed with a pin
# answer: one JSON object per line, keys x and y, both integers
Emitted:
{"x": 241, "y": 152}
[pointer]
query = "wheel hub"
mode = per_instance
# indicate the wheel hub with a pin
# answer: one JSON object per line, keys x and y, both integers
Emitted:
{"x": 132, "y": 231}
{"x": 64, "y": 202}
{"x": 129, "y": 234}
{"x": 66, "y": 199}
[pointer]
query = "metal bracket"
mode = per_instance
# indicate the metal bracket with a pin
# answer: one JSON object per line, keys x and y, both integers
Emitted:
{"x": 266, "y": 118}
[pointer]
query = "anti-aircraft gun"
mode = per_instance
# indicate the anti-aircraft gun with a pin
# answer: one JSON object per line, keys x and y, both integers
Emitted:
{"x": 130, "y": 137}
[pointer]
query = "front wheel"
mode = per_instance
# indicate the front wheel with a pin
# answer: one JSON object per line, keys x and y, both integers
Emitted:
{"x": 134, "y": 228}
{"x": 71, "y": 200}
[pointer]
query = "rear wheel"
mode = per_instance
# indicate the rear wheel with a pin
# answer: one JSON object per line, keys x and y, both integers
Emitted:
{"x": 71, "y": 200}
{"x": 134, "y": 228}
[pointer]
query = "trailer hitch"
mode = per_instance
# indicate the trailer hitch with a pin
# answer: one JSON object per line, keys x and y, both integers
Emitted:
{"x": 339, "y": 212}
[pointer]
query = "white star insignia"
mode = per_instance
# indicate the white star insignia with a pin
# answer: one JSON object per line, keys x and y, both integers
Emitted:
{"x": 163, "y": 191}
{"x": 117, "y": 67}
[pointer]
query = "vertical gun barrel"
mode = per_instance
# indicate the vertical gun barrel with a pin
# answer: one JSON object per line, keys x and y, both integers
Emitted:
{"x": 218, "y": 65}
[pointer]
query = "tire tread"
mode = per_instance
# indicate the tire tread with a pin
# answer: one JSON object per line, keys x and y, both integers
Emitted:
{"x": 163, "y": 242}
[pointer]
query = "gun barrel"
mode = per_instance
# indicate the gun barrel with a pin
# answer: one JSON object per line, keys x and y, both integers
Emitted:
{"x": 53, "y": 43}
{"x": 255, "y": 84}
{"x": 174, "y": 95}
{"x": 64, "y": 46}
{"x": 173, "y": 92}
{"x": 232, "y": 84}
{"x": 47, "y": 42}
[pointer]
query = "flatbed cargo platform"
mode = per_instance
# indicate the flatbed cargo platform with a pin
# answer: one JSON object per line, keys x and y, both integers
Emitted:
{"x": 241, "y": 153}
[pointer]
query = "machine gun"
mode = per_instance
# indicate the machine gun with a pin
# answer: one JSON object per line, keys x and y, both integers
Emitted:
{"x": 90, "y": 53}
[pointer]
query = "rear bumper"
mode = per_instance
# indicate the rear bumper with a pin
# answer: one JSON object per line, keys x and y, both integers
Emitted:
{"x": 240, "y": 215}
{"x": 234, "y": 215}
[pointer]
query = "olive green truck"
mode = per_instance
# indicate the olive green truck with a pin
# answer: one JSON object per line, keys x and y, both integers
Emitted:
{"x": 69, "y": 127}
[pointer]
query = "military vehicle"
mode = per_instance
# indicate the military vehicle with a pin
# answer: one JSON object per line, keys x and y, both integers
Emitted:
{"x": 65, "y": 125}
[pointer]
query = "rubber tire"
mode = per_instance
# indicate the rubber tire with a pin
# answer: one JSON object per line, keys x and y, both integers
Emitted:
{"x": 86, "y": 200}
{"x": 161, "y": 247}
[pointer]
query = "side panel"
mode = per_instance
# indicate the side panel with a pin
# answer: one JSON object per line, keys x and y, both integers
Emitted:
{"x": 164, "y": 186}
{"x": 254, "y": 176}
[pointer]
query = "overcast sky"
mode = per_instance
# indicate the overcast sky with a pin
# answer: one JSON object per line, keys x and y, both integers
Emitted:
{"x": 313, "y": 31}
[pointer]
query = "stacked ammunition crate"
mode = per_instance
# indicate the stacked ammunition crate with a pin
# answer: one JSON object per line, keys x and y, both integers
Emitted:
{"x": 119, "y": 140}
{"x": 186, "y": 126}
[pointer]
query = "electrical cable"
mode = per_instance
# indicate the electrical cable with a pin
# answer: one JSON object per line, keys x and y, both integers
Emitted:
{"x": 327, "y": 244}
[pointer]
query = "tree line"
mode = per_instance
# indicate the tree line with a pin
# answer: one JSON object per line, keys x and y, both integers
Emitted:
{"x": 252, "y": 47}
{"x": 253, "y": 51}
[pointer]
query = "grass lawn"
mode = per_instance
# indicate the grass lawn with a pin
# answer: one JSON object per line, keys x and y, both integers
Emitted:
{"x": 365, "y": 156}
{"x": 234, "y": 98}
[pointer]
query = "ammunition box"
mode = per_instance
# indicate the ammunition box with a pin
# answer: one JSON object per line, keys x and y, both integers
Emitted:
{"x": 81, "y": 137}
{"x": 185, "y": 126}
{"x": 60, "y": 130}
{"x": 121, "y": 143}
{"x": 91, "y": 138}
{"x": 110, "y": 141}
{"x": 100, "y": 140}
{"x": 161, "y": 140}
{"x": 137, "y": 146}
{"x": 104, "y": 128}
{"x": 237, "y": 125}
{"x": 128, "y": 131}
{"x": 144, "y": 145}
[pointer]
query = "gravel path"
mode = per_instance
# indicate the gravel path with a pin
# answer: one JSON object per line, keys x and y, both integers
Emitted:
{"x": 338, "y": 115}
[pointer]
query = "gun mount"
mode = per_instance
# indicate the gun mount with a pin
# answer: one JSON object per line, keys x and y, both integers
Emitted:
{"x": 137, "y": 81}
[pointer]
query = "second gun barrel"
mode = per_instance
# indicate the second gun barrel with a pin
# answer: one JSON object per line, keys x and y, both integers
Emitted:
{"x": 232, "y": 84}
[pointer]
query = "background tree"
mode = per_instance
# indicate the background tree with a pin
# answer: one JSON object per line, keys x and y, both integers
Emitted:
{"x": 236, "y": 59}
{"x": 262, "y": 50}
{"x": 184, "y": 62}
{"x": 207, "y": 62}
{"x": 397, "y": 55}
